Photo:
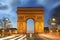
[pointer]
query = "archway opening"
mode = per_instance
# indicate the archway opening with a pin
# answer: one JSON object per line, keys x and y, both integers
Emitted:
{"x": 30, "y": 26}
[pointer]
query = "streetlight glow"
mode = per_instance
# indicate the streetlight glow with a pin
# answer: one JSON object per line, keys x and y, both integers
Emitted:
{"x": 6, "y": 18}
{"x": 53, "y": 19}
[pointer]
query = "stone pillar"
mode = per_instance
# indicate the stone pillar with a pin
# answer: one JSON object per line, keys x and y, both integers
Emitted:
{"x": 36, "y": 27}
{"x": 39, "y": 27}
{"x": 22, "y": 27}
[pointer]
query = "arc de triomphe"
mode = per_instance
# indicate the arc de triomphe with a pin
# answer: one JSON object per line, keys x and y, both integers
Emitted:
{"x": 35, "y": 13}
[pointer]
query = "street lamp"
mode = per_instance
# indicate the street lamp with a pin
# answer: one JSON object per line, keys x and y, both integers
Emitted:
{"x": 53, "y": 19}
{"x": 53, "y": 23}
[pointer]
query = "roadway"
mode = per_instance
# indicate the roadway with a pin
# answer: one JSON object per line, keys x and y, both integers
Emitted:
{"x": 33, "y": 37}
{"x": 14, "y": 37}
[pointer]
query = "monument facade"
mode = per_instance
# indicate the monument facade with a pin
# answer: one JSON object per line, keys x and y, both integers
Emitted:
{"x": 35, "y": 13}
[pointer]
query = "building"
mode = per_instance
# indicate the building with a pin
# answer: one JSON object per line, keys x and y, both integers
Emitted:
{"x": 5, "y": 25}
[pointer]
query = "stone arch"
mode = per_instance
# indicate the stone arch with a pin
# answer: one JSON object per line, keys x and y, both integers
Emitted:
{"x": 37, "y": 14}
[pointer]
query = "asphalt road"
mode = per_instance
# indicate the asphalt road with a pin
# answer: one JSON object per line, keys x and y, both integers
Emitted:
{"x": 27, "y": 37}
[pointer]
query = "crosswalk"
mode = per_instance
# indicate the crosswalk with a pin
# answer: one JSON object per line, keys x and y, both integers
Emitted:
{"x": 21, "y": 37}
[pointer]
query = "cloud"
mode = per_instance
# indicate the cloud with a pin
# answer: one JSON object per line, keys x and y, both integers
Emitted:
{"x": 15, "y": 3}
{"x": 55, "y": 5}
{"x": 0, "y": 3}
{"x": 41, "y": 2}
{"x": 24, "y": 1}
{"x": 5, "y": 7}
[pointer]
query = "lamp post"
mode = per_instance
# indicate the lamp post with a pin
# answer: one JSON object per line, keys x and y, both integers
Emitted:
{"x": 53, "y": 23}
{"x": 53, "y": 19}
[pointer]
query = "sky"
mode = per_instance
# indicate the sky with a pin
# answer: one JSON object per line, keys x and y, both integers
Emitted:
{"x": 8, "y": 8}
{"x": 30, "y": 26}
